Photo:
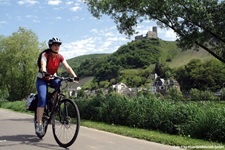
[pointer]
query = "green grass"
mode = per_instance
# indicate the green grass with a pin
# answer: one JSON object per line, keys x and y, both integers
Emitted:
{"x": 184, "y": 57}
{"x": 154, "y": 136}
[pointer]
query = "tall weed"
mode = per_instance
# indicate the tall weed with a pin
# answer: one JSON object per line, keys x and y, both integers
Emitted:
{"x": 203, "y": 120}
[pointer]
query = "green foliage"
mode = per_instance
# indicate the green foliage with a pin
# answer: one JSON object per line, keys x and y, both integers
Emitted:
{"x": 107, "y": 71}
{"x": 89, "y": 66}
{"x": 163, "y": 70}
{"x": 81, "y": 93}
{"x": 18, "y": 69}
{"x": 134, "y": 77}
{"x": 198, "y": 95}
{"x": 138, "y": 54}
{"x": 200, "y": 23}
{"x": 222, "y": 92}
{"x": 83, "y": 65}
{"x": 175, "y": 94}
{"x": 16, "y": 106}
{"x": 207, "y": 123}
{"x": 197, "y": 120}
{"x": 104, "y": 84}
{"x": 204, "y": 76}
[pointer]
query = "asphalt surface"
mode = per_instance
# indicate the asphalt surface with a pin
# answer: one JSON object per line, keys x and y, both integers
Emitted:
{"x": 17, "y": 133}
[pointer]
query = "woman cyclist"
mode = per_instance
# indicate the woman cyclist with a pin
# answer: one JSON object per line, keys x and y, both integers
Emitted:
{"x": 49, "y": 63}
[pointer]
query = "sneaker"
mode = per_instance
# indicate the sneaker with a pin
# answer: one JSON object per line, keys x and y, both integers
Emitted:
{"x": 39, "y": 129}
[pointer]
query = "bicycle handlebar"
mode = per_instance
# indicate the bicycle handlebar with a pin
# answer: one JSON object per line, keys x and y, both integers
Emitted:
{"x": 69, "y": 79}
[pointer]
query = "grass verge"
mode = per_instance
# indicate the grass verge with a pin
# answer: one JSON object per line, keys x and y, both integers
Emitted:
{"x": 154, "y": 136}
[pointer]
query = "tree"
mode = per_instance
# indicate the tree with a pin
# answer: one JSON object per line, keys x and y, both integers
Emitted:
{"x": 207, "y": 75}
{"x": 197, "y": 23}
{"x": 18, "y": 59}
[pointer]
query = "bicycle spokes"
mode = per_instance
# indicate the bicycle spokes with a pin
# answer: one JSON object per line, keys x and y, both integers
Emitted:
{"x": 66, "y": 126}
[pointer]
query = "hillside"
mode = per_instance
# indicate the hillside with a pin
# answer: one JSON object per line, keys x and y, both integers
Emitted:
{"x": 141, "y": 55}
{"x": 75, "y": 62}
{"x": 168, "y": 51}
{"x": 183, "y": 57}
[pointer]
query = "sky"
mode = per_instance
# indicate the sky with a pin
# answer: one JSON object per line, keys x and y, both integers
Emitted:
{"x": 69, "y": 20}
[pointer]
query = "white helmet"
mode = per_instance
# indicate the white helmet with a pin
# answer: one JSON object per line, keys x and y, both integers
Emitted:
{"x": 54, "y": 40}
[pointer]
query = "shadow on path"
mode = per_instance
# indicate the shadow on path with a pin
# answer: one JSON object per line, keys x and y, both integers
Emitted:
{"x": 33, "y": 140}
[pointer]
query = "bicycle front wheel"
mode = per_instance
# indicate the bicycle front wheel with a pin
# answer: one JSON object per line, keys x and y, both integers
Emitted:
{"x": 66, "y": 124}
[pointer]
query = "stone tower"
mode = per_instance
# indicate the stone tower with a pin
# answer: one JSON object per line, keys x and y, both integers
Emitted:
{"x": 152, "y": 34}
{"x": 154, "y": 29}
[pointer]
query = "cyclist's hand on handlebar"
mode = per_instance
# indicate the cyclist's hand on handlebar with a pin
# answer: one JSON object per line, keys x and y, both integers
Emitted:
{"x": 45, "y": 75}
{"x": 76, "y": 79}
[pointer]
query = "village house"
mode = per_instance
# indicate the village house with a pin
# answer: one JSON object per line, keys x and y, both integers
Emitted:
{"x": 161, "y": 85}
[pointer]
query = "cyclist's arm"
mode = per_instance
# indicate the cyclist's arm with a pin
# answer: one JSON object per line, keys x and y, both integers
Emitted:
{"x": 43, "y": 63}
{"x": 68, "y": 68}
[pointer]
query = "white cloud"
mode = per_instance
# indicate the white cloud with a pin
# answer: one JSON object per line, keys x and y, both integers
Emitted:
{"x": 27, "y": 2}
{"x": 94, "y": 31}
{"x": 35, "y": 19}
{"x": 58, "y": 18}
{"x": 69, "y": 3}
{"x": 75, "y": 18}
{"x": 107, "y": 40}
{"x": 54, "y": 2}
{"x": 77, "y": 48}
{"x": 168, "y": 35}
{"x": 103, "y": 41}
{"x": 3, "y": 22}
{"x": 76, "y": 7}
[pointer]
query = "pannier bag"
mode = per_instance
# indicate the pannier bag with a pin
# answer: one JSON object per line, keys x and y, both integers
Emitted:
{"x": 31, "y": 102}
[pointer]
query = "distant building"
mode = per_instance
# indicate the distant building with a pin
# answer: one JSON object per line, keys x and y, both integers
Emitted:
{"x": 161, "y": 85}
{"x": 139, "y": 37}
{"x": 149, "y": 35}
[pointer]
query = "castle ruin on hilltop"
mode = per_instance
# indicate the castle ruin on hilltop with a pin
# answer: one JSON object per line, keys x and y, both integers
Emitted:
{"x": 149, "y": 35}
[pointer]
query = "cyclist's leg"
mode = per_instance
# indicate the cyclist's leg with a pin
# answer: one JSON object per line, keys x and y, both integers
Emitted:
{"x": 54, "y": 83}
{"x": 41, "y": 86}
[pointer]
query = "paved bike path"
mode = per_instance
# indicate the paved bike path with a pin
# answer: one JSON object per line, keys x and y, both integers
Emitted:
{"x": 17, "y": 133}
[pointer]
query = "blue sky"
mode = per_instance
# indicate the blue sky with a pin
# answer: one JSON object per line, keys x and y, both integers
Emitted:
{"x": 70, "y": 21}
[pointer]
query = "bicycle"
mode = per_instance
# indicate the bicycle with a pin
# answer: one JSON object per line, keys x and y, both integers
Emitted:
{"x": 63, "y": 114}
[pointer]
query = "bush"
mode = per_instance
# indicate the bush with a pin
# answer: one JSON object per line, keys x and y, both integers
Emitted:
{"x": 175, "y": 94}
{"x": 198, "y": 95}
{"x": 207, "y": 123}
{"x": 203, "y": 120}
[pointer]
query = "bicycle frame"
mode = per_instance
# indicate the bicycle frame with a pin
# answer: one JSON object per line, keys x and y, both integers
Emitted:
{"x": 54, "y": 96}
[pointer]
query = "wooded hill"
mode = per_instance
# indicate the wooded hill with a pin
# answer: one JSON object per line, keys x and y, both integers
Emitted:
{"x": 137, "y": 59}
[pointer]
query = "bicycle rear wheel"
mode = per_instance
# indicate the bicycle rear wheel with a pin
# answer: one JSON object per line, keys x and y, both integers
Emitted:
{"x": 66, "y": 124}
